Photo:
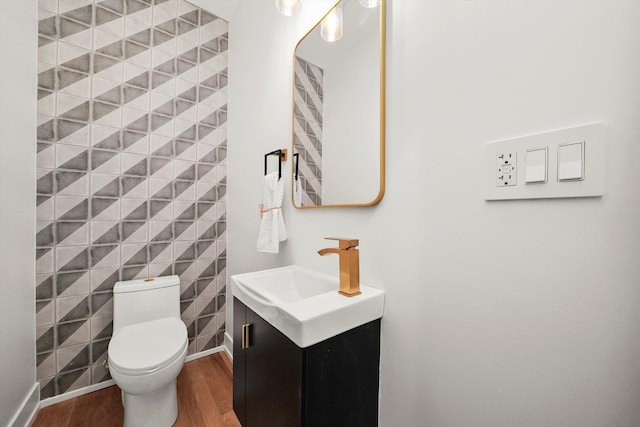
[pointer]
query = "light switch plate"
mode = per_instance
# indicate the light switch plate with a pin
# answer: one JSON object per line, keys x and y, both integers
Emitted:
{"x": 536, "y": 163}
{"x": 591, "y": 186}
{"x": 571, "y": 161}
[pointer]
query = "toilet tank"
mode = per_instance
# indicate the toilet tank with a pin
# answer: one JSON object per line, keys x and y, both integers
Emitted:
{"x": 137, "y": 301}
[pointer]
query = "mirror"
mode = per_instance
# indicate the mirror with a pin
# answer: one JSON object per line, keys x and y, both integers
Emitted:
{"x": 339, "y": 108}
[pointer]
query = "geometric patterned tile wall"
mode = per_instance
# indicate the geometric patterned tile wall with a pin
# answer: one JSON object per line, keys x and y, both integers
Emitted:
{"x": 308, "y": 105}
{"x": 132, "y": 109}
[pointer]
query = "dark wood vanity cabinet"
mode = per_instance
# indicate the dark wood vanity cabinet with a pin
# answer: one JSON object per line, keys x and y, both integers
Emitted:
{"x": 277, "y": 384}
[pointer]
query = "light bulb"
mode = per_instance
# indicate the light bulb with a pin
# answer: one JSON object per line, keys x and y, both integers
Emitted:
{"x": 370, "y": 3}
{"x": 288, "y": 7}
{"x": 331, "y": 28}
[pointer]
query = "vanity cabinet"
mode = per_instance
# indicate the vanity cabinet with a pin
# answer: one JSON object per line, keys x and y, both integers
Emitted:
{"x": 278, "y": 384}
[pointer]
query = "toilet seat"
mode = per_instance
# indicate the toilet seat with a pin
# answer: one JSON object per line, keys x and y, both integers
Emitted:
{"x": 147, "y": 347}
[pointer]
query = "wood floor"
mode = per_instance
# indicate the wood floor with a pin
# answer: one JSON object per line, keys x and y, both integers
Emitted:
{"x": 204, "y": 399}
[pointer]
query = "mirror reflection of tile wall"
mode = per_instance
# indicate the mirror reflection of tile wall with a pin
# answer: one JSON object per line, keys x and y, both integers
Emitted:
{"x": 132, "y": 109}
{"x": 308, "y": 101}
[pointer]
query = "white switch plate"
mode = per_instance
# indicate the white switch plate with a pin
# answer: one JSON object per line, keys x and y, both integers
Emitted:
{"x": 591, "y": 186}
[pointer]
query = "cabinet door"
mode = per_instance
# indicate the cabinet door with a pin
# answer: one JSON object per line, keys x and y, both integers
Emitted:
{"x": 273, "y": 381}
{"x": 239, "y": 361}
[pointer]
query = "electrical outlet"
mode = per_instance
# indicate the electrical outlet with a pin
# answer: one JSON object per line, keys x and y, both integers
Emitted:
{"x": 506, "y": 169}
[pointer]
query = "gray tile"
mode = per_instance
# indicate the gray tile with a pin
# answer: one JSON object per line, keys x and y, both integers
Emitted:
{"x": 98, "y": 301}
{"x": 160, "y": 37}
{"x": 156, "y": 164}
{"x": 45, "y": 339}
{"x": 72, "y": 333}
{"x": 186, "y": 251}
{"x": 212, "y": 45}
{"x": 192, "y": 17}
{"x": 67, "y": 128}
{"x": 113, "y": 96}
{"x": 189, "y": 134}
{"x": 104, "y": 15}
{"x": 158, "y": 79}
{"x": 46, "y": 131}
{"x": 98, "y": 253}
{"x": 140, "y": 81}
{"x": 140, "y": 125}
{"x": 158, "y": 121}
{"x": 142, "y": 37}
{"x": 168, "y": 27}
{"x": 114, "y": 50}
{"x": 81, "y": 63}
{"x": 69, "y": 27}
{"x": 99, "y": 157}
{"x": 45, "y": 236}
{"x": 182, "y": 105}
{"x": 79, "y": 162}
{"x": 140, "y": 213}
{"x": 131, "y": 93}
{"x": 99, "y": 350}
{"x": 166, "y": 109}
{"x": 48, "y": 27}
{"x": 204, "y": 93}
{"x": 138, "y": 169}
{"x": 77, "y": 212}
{"x": 66, "y": 230}
{"x": 47, "y": 79}
{"x": 109, "y": 235}
{"x": 206, "y": 54}
{"x": 66, "y": 178}
{"x": 203, "y": 131}
{"x": 45, "y": 184}
{"x": 72, "y": 358}
{"x": 113, "y": 5}
{"x": 134, "y": 6}
{"x": 132, "y": 49}
{"x": 102, "y": 62}
{"x": 185, "y": 27}
{"x": 203, "y": 208}
{"x": 82, "y": 14}
{"x": 72, "y": 308}
{"x": 44, "y": 289}
{"x": 100, "y": 109}
{"x": 190, "y": 95}
{"x": 79, "y": 113}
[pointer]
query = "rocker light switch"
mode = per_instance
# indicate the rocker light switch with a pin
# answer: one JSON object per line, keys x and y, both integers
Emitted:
{"x": 571, "y": 161}
{"x": 535, "y": 166}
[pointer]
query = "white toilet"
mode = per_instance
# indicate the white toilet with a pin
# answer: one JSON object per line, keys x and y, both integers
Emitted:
{"x": 148, "y": 349}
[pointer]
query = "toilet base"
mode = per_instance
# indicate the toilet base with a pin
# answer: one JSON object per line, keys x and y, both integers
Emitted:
{"x": 157, "y": 409}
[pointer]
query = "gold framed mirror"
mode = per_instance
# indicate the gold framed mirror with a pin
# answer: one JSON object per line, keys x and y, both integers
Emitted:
{"x": 339, "y": 108}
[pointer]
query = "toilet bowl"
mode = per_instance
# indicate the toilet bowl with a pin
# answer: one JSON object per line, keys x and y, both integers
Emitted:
{"x": 148, "y": 350}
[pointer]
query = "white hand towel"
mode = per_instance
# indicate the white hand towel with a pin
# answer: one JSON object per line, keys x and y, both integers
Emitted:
{"x": 272, "y": 228}
{"x": 297, "y": 192}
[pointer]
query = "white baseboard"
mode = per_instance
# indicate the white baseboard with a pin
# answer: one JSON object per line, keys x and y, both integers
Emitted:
{"x": 228, "y": 345}
{"x": 204, "y": 353}
{"x": 75, "y": 393}
{"x": 95, "y": 387}
{"x": 28, "y": 408}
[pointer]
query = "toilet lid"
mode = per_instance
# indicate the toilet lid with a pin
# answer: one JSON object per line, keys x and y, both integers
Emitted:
{"x": 148, "y": 346}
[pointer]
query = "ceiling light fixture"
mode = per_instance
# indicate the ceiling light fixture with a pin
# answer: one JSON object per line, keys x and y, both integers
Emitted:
{"x": 370, "y": 3}
{"x": 331, "y": 28}
{"x": 288, "y": 7}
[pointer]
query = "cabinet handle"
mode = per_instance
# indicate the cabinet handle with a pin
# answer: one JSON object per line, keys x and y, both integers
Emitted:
{"x": 245, "y": 336}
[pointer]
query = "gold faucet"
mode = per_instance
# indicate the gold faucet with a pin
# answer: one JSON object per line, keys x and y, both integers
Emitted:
{"x": 349, "y": 265}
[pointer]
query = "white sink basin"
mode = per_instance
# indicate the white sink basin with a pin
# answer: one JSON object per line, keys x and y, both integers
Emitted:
{"x": 305, "y": 305}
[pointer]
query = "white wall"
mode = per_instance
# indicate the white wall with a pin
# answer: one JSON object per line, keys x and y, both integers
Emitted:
{"x": 519, "y": 313}
{"x": 18, "y": 50}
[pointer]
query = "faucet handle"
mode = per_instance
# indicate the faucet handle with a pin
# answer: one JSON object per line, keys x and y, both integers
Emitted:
{"x": 345, "y": 242}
